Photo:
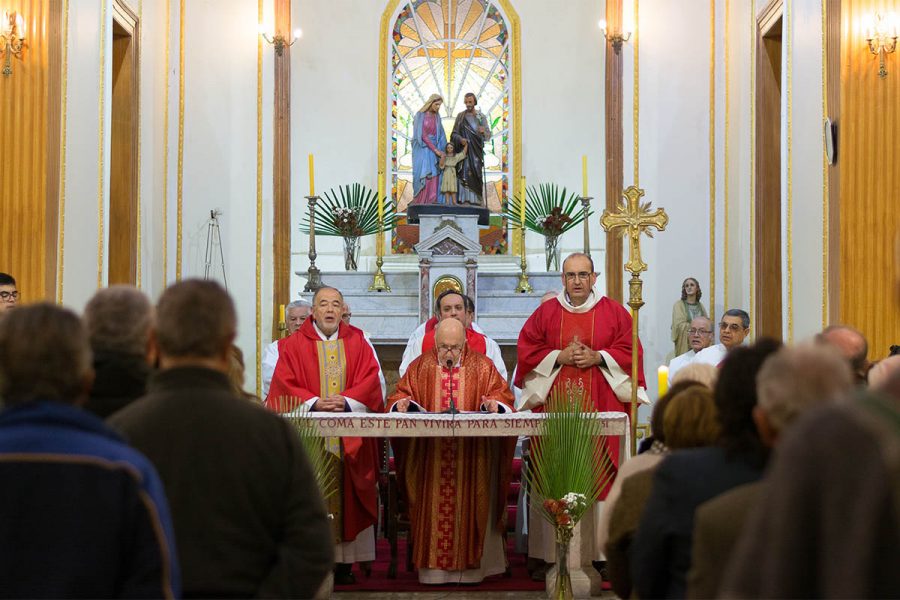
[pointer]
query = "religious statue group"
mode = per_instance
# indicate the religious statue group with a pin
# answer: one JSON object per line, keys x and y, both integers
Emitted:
{"x": 449, "y": 172}
{"x": 455, "y": 488}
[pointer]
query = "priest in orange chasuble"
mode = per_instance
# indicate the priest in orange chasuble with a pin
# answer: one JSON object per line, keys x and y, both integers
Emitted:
{"x": 580, "y": 340}
{"x": 456, "y": 487}
{"x": 327, "y": 365}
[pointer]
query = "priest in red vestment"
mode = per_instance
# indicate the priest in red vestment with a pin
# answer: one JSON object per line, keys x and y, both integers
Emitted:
{"x": 327, "y": 365}
{"x": 580, "y": 340}
{"x": 456, "y": 487}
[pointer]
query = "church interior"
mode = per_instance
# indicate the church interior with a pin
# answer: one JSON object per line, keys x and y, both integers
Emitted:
{"x": 742, "y": 145}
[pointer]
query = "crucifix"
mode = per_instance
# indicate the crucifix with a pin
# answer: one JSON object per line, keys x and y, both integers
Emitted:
{"x": 632, "y": 219}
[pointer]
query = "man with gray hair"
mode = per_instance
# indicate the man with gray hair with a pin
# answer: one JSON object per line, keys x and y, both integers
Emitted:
{"x": 852, "y": 344}
{"x": 295, "y": 314}
{"x": 248, "y": 516}
{"x": 83, "y": 514}
{"x": 118, "y": 320}
{"x": 790, "y": 383}
{"x": 733, "y": 330}
{"x": 700, "y": 336}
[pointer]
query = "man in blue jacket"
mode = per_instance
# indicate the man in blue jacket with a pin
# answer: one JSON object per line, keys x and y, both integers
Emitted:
{"x": 82, "y": 514}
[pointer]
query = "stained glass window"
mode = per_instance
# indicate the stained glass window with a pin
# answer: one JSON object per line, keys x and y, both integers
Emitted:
{"x": 451, "y": 47}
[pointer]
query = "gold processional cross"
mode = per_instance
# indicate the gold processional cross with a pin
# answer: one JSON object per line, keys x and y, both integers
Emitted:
{"x": 633, "y": 219}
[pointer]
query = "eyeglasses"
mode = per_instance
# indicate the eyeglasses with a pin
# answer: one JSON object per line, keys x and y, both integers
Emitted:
{"x": 732, "y": 327}
{"x": 583, "y": 276}
{"x": 444, "y": 348}
{"x": 699, "y": 331}
{"x": 5, "y": 296}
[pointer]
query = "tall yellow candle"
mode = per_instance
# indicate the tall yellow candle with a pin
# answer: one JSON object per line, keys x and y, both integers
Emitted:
{"x": 380, "y": 193}
{"x": 312, "y": 176}
{"x": 281, "y": 313}
{"x": 662, "y": 375}
{"x": 584, "y": 175}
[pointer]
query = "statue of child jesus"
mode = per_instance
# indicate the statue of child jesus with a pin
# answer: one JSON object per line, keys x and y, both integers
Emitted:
{"x": 448, "y": 164}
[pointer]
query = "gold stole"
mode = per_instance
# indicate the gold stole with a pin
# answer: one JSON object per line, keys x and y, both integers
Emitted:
{"x": 332, "y": 380}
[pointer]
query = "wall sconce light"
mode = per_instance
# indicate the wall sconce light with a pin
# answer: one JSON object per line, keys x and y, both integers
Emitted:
{"x": 882, "y": 39}
{"x": 12, "y": 38}
{"x": 279, "y": 41}
{"x": 614, "y": 38}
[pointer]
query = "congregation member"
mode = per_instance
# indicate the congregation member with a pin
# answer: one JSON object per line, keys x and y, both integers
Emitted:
{"x": 9, "y": 294}
{"x": 119, "y": 320}
{"x": 451, "y": 304}
{"x": 733, "y": 330}
{"x": 852, "y": 345}
{"x": 827, "y": 525}
{"x": 661, "y": 551}
{"x": 470, "y": 475}
{"x": 82, "y": 514}
{"x": 295, "y": 314}
{"x": 700, "y": 336}
{"x": 249, "y": 520}
{"x": 790, "y": 383}
{"x": 329, "y": 366}
{"x": 690, "y": 420}
{"x": 579, "y": 340}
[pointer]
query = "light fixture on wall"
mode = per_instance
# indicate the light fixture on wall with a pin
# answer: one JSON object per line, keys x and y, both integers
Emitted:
{"x": 882, "y": 40}
{"x": 616, "y": 38}
{"x": 278, "y": 40}
{"x": 12, "y": 38}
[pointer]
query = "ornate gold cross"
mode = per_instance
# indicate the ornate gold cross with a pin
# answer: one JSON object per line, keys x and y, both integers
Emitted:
{"x": 634, "y": 218}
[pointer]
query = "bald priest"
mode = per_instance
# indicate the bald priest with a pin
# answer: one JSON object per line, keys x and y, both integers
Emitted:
{"x": 456, "y": 487}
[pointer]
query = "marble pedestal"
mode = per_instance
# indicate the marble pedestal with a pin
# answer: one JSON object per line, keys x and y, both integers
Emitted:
{"x": 586, "y": 581}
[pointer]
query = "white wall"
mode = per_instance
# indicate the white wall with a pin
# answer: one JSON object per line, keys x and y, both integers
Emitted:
{"x": 335, "y": 109}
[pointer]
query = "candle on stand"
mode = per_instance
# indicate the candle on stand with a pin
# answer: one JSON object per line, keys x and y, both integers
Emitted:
{"x": 281, "y": 313}
{"x": 312, "y": 177}
{"x": 584, "y": 188}
{"x": 380, "y": 193}
{"x": 522, "y": 207}
{"x": 663, "y": 379}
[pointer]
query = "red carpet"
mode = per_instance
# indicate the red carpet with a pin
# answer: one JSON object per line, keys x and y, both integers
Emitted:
{"x": 409, "y": 581}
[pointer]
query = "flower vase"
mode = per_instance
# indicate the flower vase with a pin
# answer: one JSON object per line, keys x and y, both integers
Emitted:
{"x": 551, "y": 251}
{"x": 563, "y": 584}
{"x": 351, "y": 252}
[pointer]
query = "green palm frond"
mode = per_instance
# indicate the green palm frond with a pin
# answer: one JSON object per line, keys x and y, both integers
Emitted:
{"x": 569, "y": 456}
{"x": 361, "y": 201}
{"x": 321, "y": 459}
{"x": 543, "y": 201}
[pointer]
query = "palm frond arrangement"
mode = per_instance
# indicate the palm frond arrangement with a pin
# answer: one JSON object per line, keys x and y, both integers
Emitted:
{"x": 350, "y": 211}
{"x": 549, "y": 210}
{"x": 569, "y": 462}
{"x": 321, "y": 459}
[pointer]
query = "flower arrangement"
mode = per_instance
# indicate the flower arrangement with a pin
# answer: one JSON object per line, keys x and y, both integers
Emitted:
{"x": 351, "y": 212}
{"x": 549, "y": 211}
{"x": 569, "y": 467}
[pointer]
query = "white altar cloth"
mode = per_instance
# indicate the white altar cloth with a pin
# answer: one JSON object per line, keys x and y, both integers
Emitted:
{"x": 614, "y": 424}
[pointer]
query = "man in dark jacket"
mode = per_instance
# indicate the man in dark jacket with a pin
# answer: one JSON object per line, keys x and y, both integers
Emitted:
{"x": 249, "y": 519}
{"x": 81, "y": 513}
{"x": 118, "y": 321}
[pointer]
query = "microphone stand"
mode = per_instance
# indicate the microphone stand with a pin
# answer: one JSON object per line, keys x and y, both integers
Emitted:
{"x": 452, "y": 410}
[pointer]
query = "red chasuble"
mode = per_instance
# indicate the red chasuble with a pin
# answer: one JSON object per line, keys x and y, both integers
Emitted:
{"x": 347, "y": 367}
{"x": 447, "y": 481}
{"x": 607, "y": 327}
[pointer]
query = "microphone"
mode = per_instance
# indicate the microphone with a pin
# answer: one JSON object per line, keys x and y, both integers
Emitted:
{"x": 452, "y": 410}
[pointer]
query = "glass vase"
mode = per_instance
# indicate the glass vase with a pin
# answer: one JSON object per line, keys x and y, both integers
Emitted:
{"x": 351, "y": 253}
{"x": 562, "y": 587}
{"x": 551, "y": 252}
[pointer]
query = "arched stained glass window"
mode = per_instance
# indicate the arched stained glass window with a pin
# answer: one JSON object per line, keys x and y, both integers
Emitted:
{"x": 451, "y": 47}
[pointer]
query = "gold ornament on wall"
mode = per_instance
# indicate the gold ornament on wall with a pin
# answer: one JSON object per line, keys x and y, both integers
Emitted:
{"x": 12, "y": 39}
